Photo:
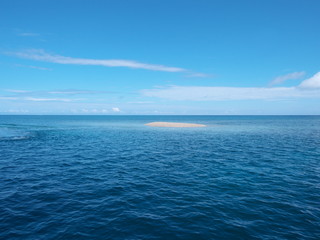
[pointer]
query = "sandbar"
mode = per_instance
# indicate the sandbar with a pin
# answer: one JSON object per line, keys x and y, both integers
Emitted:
{"x": 174, "y": 124}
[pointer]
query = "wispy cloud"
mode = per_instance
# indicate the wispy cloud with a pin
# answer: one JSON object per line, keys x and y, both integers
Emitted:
{"x": 289, "y": 76}
{"x": 62, "y": 95}
{"x": 33, "y": 67}
{"x": 115, "y": 109}
{"x": 76, "y": 92}
{"x": 19, "y": 111}
{"x": 41, "y": 55}
{"x": 196, "y": 93}
{"x": 198, "y": 75}
{"x": 37, "y": 99}
{"x": 141, "y": 102}
{"x": 8, "y": 98}
{"x": 90, "y": 111}
{"x": 48, "y": 99}
{"x": 16, "y": 91}
{"x": 56, "y": 92}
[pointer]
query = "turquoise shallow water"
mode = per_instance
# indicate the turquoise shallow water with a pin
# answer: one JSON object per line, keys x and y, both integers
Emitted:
{"x": 111, "y": 177}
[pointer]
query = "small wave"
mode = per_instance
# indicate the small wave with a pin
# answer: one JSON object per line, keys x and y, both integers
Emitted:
{"x": 13, "y": 134}
{"x": 20, "y": 138}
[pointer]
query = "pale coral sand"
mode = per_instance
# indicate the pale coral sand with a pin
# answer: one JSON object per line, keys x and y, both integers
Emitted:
{"x": 174, "y": 124}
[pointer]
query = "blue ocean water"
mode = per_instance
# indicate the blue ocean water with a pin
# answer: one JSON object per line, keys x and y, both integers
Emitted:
{"x": 112, "y": 177}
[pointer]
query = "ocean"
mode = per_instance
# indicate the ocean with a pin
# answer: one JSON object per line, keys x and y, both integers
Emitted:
{"x": 112, "y": 177}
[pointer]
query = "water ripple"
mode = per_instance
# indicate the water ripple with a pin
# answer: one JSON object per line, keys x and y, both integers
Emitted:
{"x": 81, "y": 179}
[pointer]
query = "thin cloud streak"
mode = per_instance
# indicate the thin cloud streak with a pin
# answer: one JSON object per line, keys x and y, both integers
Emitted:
{"x": 62, "y": 95}
{"x": 8, "y": 98}
{"x": 16, "y": 91}
{"x": 19, "y": 92}
{"x": 77, "y": 92}
{"x": 198, "y": 75}
{"x": 48, "y": 99}
{"x": 35, "y": 99}
{"x": 290, "y": 76}
{"x": 41, "y": 55}
{"x": 33, "y": 67}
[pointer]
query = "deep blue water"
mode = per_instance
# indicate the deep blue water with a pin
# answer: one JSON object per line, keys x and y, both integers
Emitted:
{"x": 111, "y": 177}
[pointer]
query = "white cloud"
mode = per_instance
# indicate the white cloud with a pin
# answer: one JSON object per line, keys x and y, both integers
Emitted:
{"x": 309, "y": 88}
{"x": 198, "y": 75}
{"x": 56, "y": 92}
{"x": 196, "y": 93}
{"x": 75, "y": 92}
{"x": 311, "y": 83}
{"x": 141, "y": 102}
{"x": 290, "y": 76}
{"x": 16, "y": 91}
{"x": 41, "y": 55}
{"x": 16, "y": 111}
{"x": 90, "y": 111}
{"x": 33, "y": 67}
{"x": 115, "y": 109}
{"x": 47, "y": 99}
{"x": 8, "y": 98}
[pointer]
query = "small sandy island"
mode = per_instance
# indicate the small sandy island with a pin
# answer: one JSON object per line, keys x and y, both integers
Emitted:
{"x": 174, "y": 124}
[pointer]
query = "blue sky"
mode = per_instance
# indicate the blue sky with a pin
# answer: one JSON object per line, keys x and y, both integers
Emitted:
{"x": 159, "y": 57}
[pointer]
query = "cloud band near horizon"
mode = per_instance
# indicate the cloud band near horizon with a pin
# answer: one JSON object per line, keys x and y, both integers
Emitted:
{"x": 309, "y": 88}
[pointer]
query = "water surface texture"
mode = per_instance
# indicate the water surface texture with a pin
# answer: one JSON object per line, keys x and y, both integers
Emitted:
{"x": 112, "y": 177}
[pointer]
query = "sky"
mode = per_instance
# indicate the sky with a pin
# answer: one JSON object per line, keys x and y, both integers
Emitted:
{"x": 206, "y": 57}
